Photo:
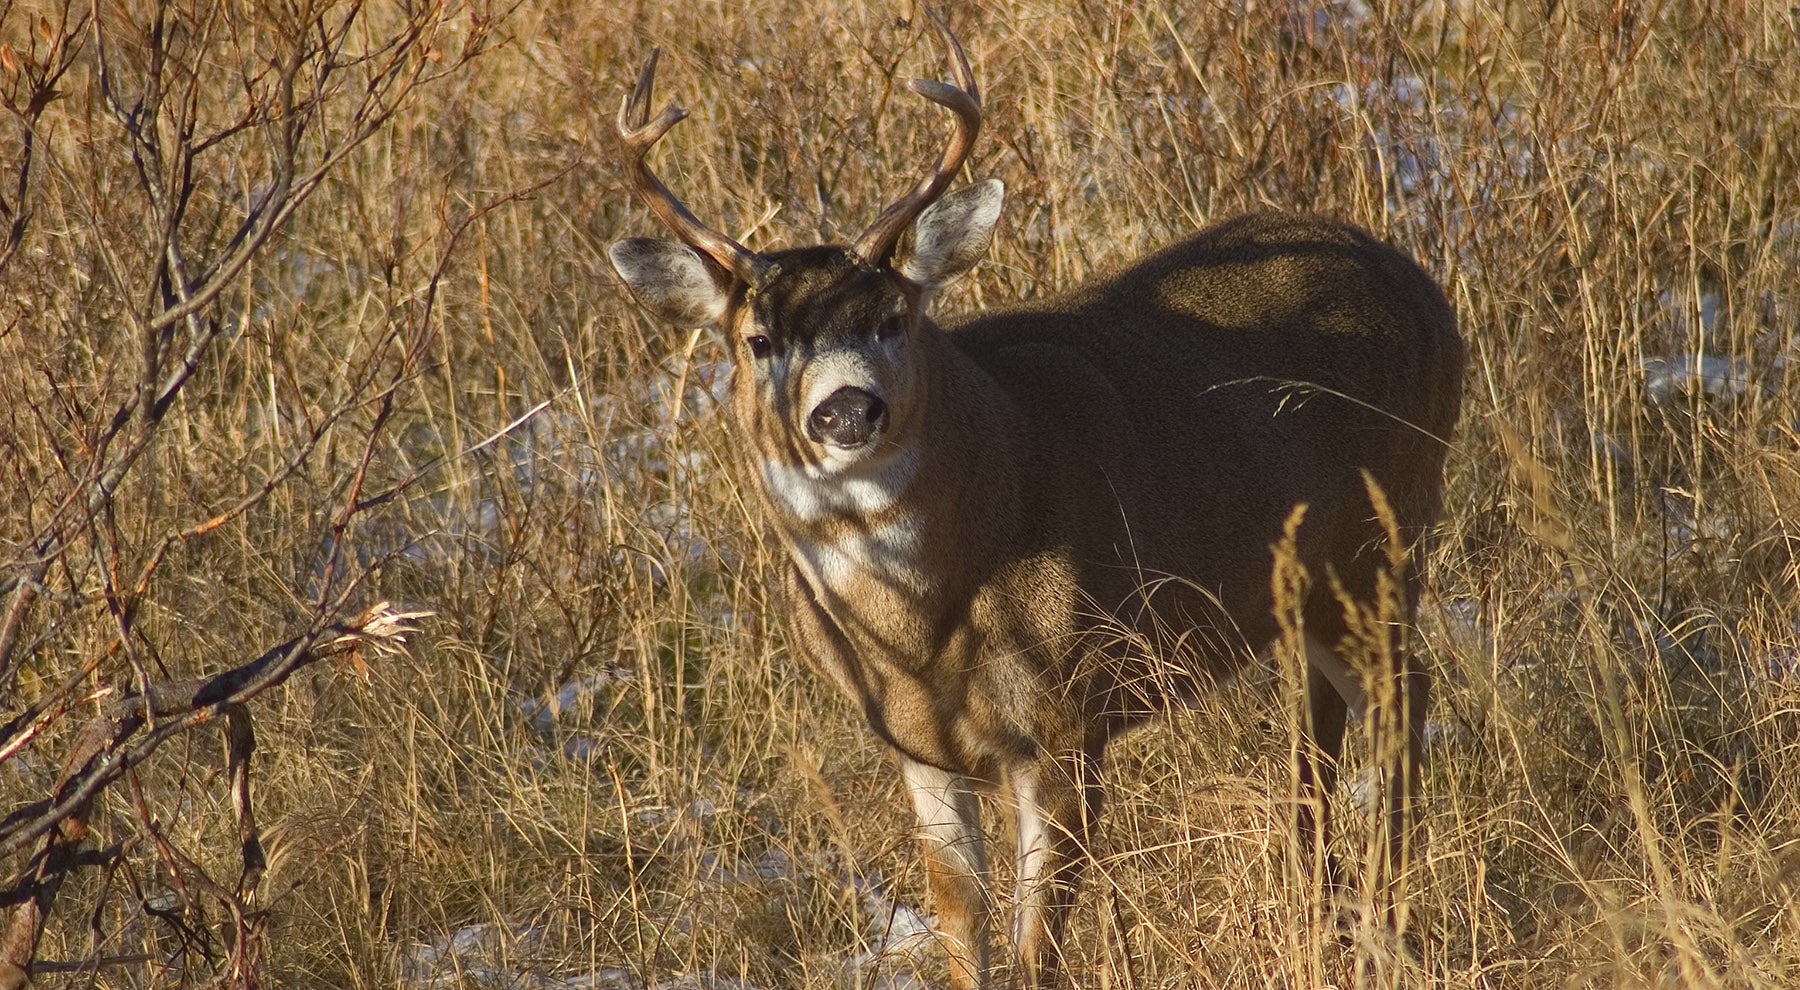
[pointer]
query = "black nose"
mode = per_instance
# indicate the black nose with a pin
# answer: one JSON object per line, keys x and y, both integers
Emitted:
{"x": 847, "y": 418}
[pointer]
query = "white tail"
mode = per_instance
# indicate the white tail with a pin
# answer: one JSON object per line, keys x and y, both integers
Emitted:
{"x": 1017, "y": 534}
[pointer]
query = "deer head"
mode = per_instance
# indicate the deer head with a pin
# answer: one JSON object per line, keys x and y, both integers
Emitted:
{"x": 822, "y": 337}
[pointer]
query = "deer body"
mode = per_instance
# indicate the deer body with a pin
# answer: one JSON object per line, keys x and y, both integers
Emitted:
{"x": 1017, "y": 535}
{"x": 1081, "y": 449}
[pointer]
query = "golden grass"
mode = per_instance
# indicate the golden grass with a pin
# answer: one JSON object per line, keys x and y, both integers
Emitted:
{"x": 1612, "y": 621}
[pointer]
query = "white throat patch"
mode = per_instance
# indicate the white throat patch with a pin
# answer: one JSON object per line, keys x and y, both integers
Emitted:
{"x": 874, "y": 542}
{"x": 860, "y": 489}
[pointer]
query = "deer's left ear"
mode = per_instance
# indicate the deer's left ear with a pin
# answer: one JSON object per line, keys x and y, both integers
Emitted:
{"x": 953, "y": 234}
{"x": 673, "y": 280}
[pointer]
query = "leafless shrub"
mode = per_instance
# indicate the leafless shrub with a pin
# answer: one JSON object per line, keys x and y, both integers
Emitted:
{"x": 161, "y": 151}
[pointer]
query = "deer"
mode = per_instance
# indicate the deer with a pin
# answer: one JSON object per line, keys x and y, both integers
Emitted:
{"x": 1012, "y": 535}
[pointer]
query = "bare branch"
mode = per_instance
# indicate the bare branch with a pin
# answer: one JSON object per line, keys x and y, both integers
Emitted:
{"x": 97, "y": 759}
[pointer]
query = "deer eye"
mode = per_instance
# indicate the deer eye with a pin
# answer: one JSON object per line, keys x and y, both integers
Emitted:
{"x": 893, "y": 326}
{"x": 759, "y": 345}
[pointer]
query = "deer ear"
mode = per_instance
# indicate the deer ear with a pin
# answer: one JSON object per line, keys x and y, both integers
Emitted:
{"x": 672, "y": 280}
{"x": 953, "y": 234}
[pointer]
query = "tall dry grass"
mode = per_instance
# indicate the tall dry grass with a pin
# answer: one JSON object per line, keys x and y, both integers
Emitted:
{"x": 600, "y": 747}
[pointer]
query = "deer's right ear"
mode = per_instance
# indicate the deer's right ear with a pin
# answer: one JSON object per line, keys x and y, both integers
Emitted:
{"x": 672, "y": 280}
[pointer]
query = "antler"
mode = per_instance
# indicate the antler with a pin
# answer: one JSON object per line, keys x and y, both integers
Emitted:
{"x": 637, "y": 132}
{"x": 876, "y": 245}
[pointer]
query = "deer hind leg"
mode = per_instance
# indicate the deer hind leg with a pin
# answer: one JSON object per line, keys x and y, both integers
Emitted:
{"x": 1394, "y": 691}
{"x": 956, "y": 859}
{"x": 1398, "y": 735}
{"x": 1332, "y": 691}
{"x": 1405, "y": 772}
{"x": 1057, "y": 801}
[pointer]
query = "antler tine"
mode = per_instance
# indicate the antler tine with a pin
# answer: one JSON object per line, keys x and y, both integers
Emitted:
{"x": 876, "y": 245}
{"x": 637, "y": 132}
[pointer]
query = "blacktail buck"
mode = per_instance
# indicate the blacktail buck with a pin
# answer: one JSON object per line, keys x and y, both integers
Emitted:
{"x": 1014, "y": 534}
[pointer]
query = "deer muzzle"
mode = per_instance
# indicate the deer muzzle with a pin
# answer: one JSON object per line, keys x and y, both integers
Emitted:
{"x": 848, "y": 418}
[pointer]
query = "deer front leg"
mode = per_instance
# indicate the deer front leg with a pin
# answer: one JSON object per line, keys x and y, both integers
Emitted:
{"x": 956, "y": 858}
{"x": 1057, "y": 801}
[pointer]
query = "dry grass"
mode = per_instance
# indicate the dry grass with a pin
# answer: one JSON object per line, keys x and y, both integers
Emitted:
{"x": 1613, "y": 623}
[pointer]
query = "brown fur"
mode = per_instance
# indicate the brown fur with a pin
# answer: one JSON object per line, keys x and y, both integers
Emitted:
{"x": 1015, "y": 536}
{"x": 1158, "y": 423}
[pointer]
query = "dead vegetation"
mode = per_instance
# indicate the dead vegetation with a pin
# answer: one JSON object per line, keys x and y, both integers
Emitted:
{"x": 304, "y": 311}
